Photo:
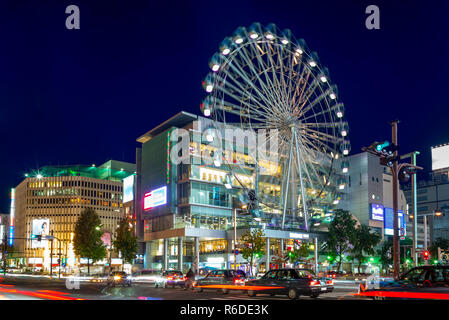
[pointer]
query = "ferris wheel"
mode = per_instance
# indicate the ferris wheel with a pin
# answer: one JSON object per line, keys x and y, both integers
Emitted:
{"x": 263, "y": 78}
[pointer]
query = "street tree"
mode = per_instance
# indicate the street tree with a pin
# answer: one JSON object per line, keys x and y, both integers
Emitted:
{"x": 299, "y": 253}
{"x": 252, "y": 246}
{"x": 441, "y": 243}
{"x": 125, "y": 241}
{"x": 87, "y": 241}
{"x": 341, "y": 235}
{"x": 364, "y": 243}
{"x": 386, "y": 254}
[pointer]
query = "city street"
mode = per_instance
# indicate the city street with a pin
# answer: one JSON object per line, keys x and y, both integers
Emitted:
{"x": 32, "y": 288}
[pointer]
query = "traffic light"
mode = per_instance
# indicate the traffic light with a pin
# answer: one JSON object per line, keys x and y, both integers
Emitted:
{"x": 426, "y": 254}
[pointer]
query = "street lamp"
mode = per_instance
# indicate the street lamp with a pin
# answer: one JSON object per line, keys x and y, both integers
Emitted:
{"x": 437, "y": 213}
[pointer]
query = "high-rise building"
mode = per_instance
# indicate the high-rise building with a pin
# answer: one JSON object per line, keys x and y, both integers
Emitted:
{"x": 369, "y": 196}
{"x": 186, "y": 211}
{"x": 50, "y": 200}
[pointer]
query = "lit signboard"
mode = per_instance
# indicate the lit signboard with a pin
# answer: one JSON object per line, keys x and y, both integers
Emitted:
{"x": 388, "y": 222}
{"x": 11, "y": 216}
{"x": 154, "y": 198}
{"x": 377, "y": 212}
{"x": 440, "y": 157}
{"x": 128, "y": 189}
{"x": 2, "y": 233}
{"x": 40, "y": 227}
{"x": 294, "y": 235}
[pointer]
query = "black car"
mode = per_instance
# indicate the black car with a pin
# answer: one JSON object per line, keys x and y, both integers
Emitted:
{"x": 325, "y": 282}
{"x": 292, "y": 282}
{"x": 219, "y": 278}
{"x": 425, "y": 282}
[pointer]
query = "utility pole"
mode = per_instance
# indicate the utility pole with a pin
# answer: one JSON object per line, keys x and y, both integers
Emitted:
{"x": 394, "y": 169}
{"x": 51, "y": 254}
{"x": 5, "y": 248}
{"x": 413, "y": 155}
{"x": 235, "y": 238}
{"x": 388, "y": 156}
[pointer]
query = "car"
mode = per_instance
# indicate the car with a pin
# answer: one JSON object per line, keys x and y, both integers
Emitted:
{"x": 118, "y": 278}
{"x": 146, "y": 276}
{"x": 336, "y": 274}
{"x": 203, "y": 272}
{"x": 292, "y": 282}
{"x": 424, "y": 282}
{"x": 171, "y": 278}
{"x": 221, "y": 277}
{"x": 325, "y": 282}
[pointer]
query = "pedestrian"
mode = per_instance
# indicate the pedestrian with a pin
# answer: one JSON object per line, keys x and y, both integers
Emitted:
{"x": 190, "y": 279}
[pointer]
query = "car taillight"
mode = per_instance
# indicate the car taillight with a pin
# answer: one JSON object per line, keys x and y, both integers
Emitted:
{"x": 314, "y": 283}
{"x": 329, "y": 282}
{"x": 334, "y": 275}
{"x": 169, "y": 278}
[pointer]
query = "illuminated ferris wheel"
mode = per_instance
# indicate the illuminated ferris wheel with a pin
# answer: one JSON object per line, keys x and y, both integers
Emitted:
{"x": 263, "y": 78}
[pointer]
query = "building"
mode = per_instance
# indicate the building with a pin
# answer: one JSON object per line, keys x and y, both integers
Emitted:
{"x": 186, "y": 210}
{"x": 433, "y": 195}
{"x": 4, "y": 226}
{"x": 50, "y": 201}
{"x": 369, "y": 195}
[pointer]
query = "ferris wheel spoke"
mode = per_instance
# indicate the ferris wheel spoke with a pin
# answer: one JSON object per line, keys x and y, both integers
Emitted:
{"x": 323, "y": 112}
{"x": 245, "y": 57}
{"x": 250, "y": 83}
{"x": 243, "y": 91}
{"x": 306, "y": 108}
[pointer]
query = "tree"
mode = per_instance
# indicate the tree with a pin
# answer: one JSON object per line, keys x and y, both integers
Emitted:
{"x": 297, "y": 254}
{"x": 87, "y": 241}
{"x": 363, "y": 244}
{"x": 386, "y": 254}
{"x": 441, "y": 243}
{"x": 341, "y": 235}
{"x": 252, "y": 245}
{"x": 125, "y": 241}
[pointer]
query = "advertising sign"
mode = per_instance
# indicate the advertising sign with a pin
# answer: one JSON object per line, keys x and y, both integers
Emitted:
{"x": 377, "y": 212}
{"x": 106, "y": 238}
{"x": 154, "y": 198}
{"x": 440, "y": 157}
{"x": 128, "y": 189}
{"x": 40, "y": 227}
{"x": 388, "y": 222}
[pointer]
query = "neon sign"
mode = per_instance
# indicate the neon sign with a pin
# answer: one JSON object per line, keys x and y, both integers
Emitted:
{"x": 377, "y": 212}
{"x": 154, "y": 198}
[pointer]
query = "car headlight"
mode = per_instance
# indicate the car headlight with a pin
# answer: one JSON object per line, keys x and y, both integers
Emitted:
{"x": 117, "y": 277}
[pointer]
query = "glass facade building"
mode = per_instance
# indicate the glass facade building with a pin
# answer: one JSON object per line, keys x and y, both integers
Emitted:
{"x": 194, "y": 225}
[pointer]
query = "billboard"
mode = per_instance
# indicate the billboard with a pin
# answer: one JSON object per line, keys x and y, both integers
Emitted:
{"x": 440, "y": 157}
{"x": 2, "y": 233}
{"x": 388, "y": 222}
{"x": 40, "y": 227}
{"x": 377, "y": 212}
{"x": 106, "y": 238}
{"x": 154, "y": 198}
{"x": 128, "y": 189}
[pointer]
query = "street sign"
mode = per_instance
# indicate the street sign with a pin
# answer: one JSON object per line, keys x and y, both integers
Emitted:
{"x": 402, "y": 234}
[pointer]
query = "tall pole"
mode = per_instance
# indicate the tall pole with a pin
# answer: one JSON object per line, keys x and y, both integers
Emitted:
{"x": 394, "y": 171}
{"x": 316, "y": 255}
{"x": 51, "y": 254}
{"x": 235, "y": 238}
{"x": 5, "y": 248}
{"x": 415, "y": 212}
{"x": 425, "y": 236}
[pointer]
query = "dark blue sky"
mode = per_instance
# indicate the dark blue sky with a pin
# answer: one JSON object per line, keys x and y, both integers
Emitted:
{"x": 84, "y": 96}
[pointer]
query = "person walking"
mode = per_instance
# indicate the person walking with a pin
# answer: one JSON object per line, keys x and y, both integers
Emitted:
{"x": 190, "y": 279}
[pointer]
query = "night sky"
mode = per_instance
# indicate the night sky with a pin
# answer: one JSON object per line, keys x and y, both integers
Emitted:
{"x": 84, "y": 96}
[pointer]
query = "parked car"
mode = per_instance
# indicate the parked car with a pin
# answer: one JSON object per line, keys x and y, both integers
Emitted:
{"x": 146, "y": 276}
{"x": 118, "y": 278}
{"x": 425, "y": 282}
{"x": 171, "y": 278}
{"x": 336, "y": 274}
{"x": 221, "y": 277}
{"x": 289, "y": 281}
